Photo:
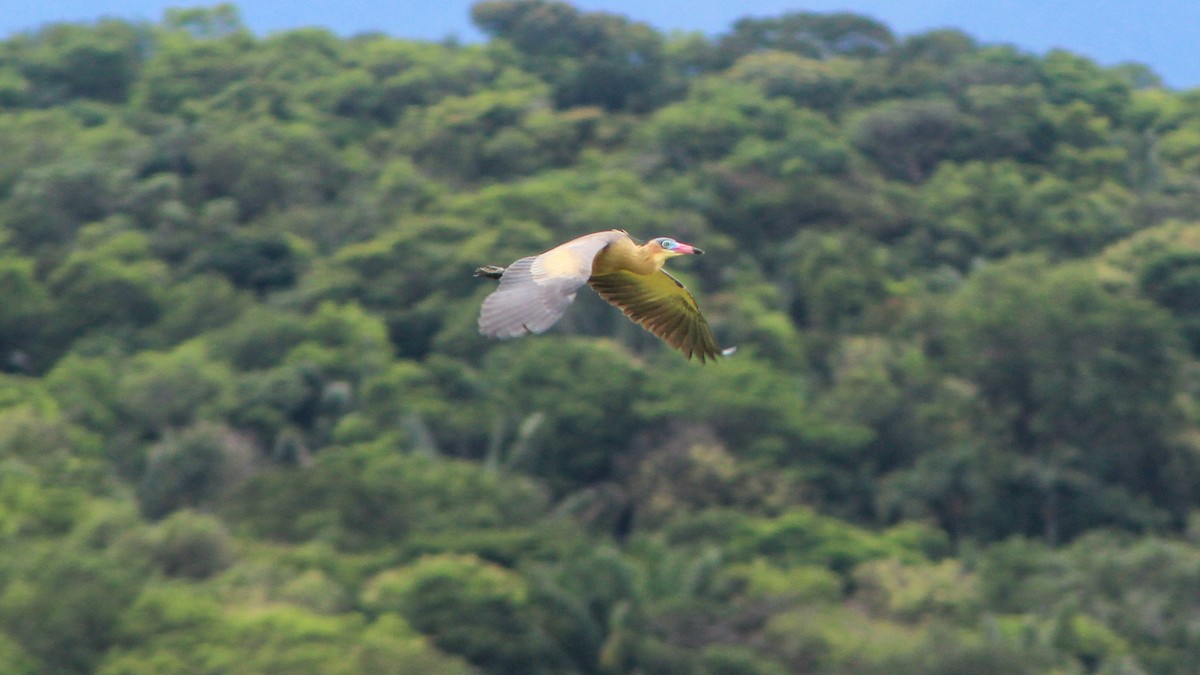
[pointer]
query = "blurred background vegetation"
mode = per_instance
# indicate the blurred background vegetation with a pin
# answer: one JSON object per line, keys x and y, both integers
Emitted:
{"x": 247, "y": 424}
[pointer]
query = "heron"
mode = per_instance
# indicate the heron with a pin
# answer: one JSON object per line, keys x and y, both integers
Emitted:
{"x": 535, "y": 291}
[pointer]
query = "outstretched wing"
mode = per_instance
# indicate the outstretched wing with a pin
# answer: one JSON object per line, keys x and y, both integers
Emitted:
{"x": 662, "y": 306}
{"x": 534, "y": 292}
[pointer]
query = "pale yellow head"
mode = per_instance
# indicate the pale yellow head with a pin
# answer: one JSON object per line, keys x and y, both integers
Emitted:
{"x": 664, "y": 247}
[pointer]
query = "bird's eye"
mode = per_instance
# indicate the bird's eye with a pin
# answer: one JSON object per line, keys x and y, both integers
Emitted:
{"x": 667, "y": 243}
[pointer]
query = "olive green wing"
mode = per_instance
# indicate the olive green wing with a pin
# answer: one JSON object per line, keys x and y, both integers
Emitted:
{"x": 663, "y": 306}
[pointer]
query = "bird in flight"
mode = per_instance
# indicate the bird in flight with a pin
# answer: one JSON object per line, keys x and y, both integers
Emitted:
{"x": 535, "y": 292}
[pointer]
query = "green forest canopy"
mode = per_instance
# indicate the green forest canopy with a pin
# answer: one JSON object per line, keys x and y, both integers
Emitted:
{"x": 247, "y": 424}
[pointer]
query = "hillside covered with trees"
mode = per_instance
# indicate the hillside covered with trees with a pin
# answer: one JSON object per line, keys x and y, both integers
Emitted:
{"x": 247, "y": 424}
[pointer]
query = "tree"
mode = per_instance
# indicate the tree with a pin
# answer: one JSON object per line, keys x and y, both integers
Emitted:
{"x": 475, "y": 136}
{"x": 468, "y": 607}
{"x": 369, "y": 497}
{"x": 1069, "y": 77}
{"x": 192, "y": 546}
{"x": 26, "y": 308}
{"x": 1076, "y": 384}
{"x": 180, "y": 629}
{"x": 61, "y": 601}
{"x": 817, "y": 36}
{"x": 980, "y": 210}
{"x": 64, "y": 61}
{"x": 1172, "y": 279}
{"x": 713, "y": 119}
{"x": 159, "y": 392}
{"x": 589, "y": 58}
{"x": 908, "y": 139}
{"x": 265, "y": 164}
{"x": 192, "y": 468}
{"x": 585, "y": 394}
{"x": 822, "y": 85}
{"x": 51, "y": 202}
{"x": 248, "y": 423}
{"x": 839, "y": 279}
{"x": 200, "y": 53}
{"x": 257, "y": 262}
{"x": 113, "y": 282}
{"x": 1072, "y": 587}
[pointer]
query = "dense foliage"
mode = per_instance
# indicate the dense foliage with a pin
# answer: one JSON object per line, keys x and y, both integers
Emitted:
{"x": 247, "y": 424}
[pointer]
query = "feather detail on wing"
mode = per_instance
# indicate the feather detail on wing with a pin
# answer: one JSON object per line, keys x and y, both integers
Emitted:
{"x": 535, "y": 292}
{"x": 661, "y": 305}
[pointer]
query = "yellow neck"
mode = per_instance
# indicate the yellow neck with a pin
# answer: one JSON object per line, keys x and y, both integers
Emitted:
{"x": 624, "y": 255}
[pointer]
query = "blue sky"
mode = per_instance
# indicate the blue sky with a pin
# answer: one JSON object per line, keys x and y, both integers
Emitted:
{"x": 1162, "y": 34}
